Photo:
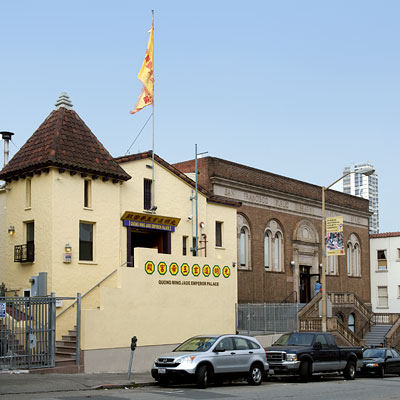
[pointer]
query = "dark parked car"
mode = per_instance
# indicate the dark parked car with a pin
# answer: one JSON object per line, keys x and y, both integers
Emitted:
{"x": 312, "y": 353}
{"x": 202, "y": 359}
{"x": 381, "y": 360}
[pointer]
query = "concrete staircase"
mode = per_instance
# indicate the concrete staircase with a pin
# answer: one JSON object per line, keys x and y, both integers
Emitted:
{"x": 65, "y": 361}
{"x": 376, "y": 336}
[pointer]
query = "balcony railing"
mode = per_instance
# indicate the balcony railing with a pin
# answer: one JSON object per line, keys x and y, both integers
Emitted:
{"x": 24, "y": 252}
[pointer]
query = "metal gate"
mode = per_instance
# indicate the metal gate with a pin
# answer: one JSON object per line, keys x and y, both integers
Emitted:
{"x": 261, "y": 319}
{"x": 27, "y": 332}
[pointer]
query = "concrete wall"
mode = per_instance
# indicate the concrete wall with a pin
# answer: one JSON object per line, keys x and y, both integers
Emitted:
{"x": 161, "y": 308}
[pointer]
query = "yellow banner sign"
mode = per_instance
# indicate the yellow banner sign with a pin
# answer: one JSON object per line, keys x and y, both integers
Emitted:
{"x": 150, "y": 218}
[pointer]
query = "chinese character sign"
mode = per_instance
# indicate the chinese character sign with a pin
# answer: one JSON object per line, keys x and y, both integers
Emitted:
{"x": 334, "y": 239}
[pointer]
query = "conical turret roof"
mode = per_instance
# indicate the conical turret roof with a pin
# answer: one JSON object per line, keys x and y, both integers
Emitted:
{"x": 63, "y": 140}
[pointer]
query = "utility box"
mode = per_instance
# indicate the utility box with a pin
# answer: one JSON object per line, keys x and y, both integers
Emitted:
{"x": 39, "y": 285}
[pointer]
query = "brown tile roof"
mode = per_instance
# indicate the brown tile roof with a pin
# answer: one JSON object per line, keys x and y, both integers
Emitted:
{"x": 384, "y": 235}
{"x": 63, "y": 140}
{"x": 210, "y": 197}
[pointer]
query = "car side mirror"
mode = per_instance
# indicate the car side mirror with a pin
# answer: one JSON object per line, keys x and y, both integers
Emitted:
{"x": 219, "y": 350}
{"x": 387, "y": 358}
{"x": 317, "y": 346}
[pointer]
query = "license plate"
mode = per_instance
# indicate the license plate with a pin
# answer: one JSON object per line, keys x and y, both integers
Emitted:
{"x": 162, "y": 371}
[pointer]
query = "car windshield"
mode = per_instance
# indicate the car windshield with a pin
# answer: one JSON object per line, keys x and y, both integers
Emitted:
{"x": 295, "y": 339}
{"x": 374, "y": 353}
{"x": 202, "y": 343}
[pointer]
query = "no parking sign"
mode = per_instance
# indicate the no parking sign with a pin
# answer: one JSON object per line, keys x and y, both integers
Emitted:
{"x": 2, "y": 310}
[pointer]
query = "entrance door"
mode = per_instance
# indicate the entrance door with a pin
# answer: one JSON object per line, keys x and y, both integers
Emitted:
{"x": 305, "y": 290}
{"x": 148, "y": 238}
{"x": 307, "y": 283}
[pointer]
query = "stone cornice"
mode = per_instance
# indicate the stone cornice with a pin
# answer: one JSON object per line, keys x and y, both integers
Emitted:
{"x": 283, "y": 202}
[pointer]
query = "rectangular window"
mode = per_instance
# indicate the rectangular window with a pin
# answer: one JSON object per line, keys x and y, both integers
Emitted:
{"x": 398, "y": 254}
{"x": 184, "y": 245}
{"x": 147, "y": 194}
{"x": 28, "y": 197}
{"x": 30, "y": 241}
{"x": 87, "y": 193}
{"x": 382, "y": 296}
{"x": 85, "y": 241}
{"x": 398, "y": 292}
{"x": 218, "y": 234}
{"x": 382, "y": 261}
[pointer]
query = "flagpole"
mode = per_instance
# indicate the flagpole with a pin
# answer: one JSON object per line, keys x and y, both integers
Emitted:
{"x": 152, "y": 157}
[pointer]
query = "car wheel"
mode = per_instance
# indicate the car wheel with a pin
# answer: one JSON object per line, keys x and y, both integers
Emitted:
{"x": 255, "y": 375}
{"x": 381, "y": 372}
{"x": 163, "y": 382}
{"x": 305, "y": 371}
{"x": 350, "y": 371}
{"x": 202, "y": 376}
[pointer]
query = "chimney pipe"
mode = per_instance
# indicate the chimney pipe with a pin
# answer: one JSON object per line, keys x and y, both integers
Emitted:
{"x": 6, "y": 137}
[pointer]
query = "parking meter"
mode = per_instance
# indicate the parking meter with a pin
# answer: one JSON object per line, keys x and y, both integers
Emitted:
{"x": 133, "y": 343}
{"x": 133, "y": 348}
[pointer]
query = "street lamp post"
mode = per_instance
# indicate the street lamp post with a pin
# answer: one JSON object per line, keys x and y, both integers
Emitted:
{"x": 365, "y": 171}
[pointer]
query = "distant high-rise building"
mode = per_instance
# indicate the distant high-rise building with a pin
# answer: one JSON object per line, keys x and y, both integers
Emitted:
{"x": 360, "y": 185}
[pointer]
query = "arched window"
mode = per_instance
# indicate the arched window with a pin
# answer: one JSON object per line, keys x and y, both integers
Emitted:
{"x": 267, "y": 249}
{"x": 277, "y": 251}
{"x": 351, "y": 322}
{"x": 356, "y": 261}
{"x": 273, "y": 247}
{"x": 353, "y": 256}
{"x": 243, "y": 247}
{"x": 244, "y": 243}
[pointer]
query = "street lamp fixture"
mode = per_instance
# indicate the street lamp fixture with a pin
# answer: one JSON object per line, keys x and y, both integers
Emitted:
{"x": 365, "y": 171}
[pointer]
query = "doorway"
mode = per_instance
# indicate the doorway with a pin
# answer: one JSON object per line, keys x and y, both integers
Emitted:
{"x": 148, "y": 238}
{"x": 307, "y": 283}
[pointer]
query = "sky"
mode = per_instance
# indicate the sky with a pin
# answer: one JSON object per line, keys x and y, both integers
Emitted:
{"x": 300, "y": 88}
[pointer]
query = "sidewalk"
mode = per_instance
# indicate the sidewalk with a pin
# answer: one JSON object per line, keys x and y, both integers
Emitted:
{"x": 24, "y": 382}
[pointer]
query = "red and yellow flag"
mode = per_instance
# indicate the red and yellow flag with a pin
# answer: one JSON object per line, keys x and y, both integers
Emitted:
{"x": 146, "y": 76}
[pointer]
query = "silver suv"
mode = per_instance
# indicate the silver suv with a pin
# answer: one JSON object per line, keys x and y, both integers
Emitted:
{"x": 202, "y": 359}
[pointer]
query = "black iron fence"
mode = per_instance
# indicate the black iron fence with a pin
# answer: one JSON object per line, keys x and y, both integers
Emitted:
{"x": 27, "y": 332}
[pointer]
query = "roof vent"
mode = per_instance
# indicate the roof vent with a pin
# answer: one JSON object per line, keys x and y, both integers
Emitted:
{"x": 6, "y": 137}
{"x": 64, "y": 101}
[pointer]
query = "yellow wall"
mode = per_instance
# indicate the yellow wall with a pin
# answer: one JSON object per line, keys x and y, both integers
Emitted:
{"x": 129, "y": 301}
{"x": 158, "y": 311}
{"x": 3, "y": 234}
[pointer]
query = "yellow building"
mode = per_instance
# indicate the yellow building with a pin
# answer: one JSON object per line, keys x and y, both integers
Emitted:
{"x": 123, "y": 231}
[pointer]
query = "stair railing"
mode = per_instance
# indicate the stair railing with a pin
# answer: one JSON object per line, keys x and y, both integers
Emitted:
{"x": 392, "y": 338}
{"x": 290, "y": 295}
{"x": 78, "y": 303}
{"x": 366, "y": 327}
{"x": 90, "y": 290}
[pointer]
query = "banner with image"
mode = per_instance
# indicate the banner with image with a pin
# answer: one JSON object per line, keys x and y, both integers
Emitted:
{"x": 334, "y": 239}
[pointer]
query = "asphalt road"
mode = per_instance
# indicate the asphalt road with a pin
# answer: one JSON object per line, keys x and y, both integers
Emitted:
{"x": 327, "y": 389}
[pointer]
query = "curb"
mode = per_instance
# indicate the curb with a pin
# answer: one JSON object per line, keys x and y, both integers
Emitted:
{"x": 120, "y": 386}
